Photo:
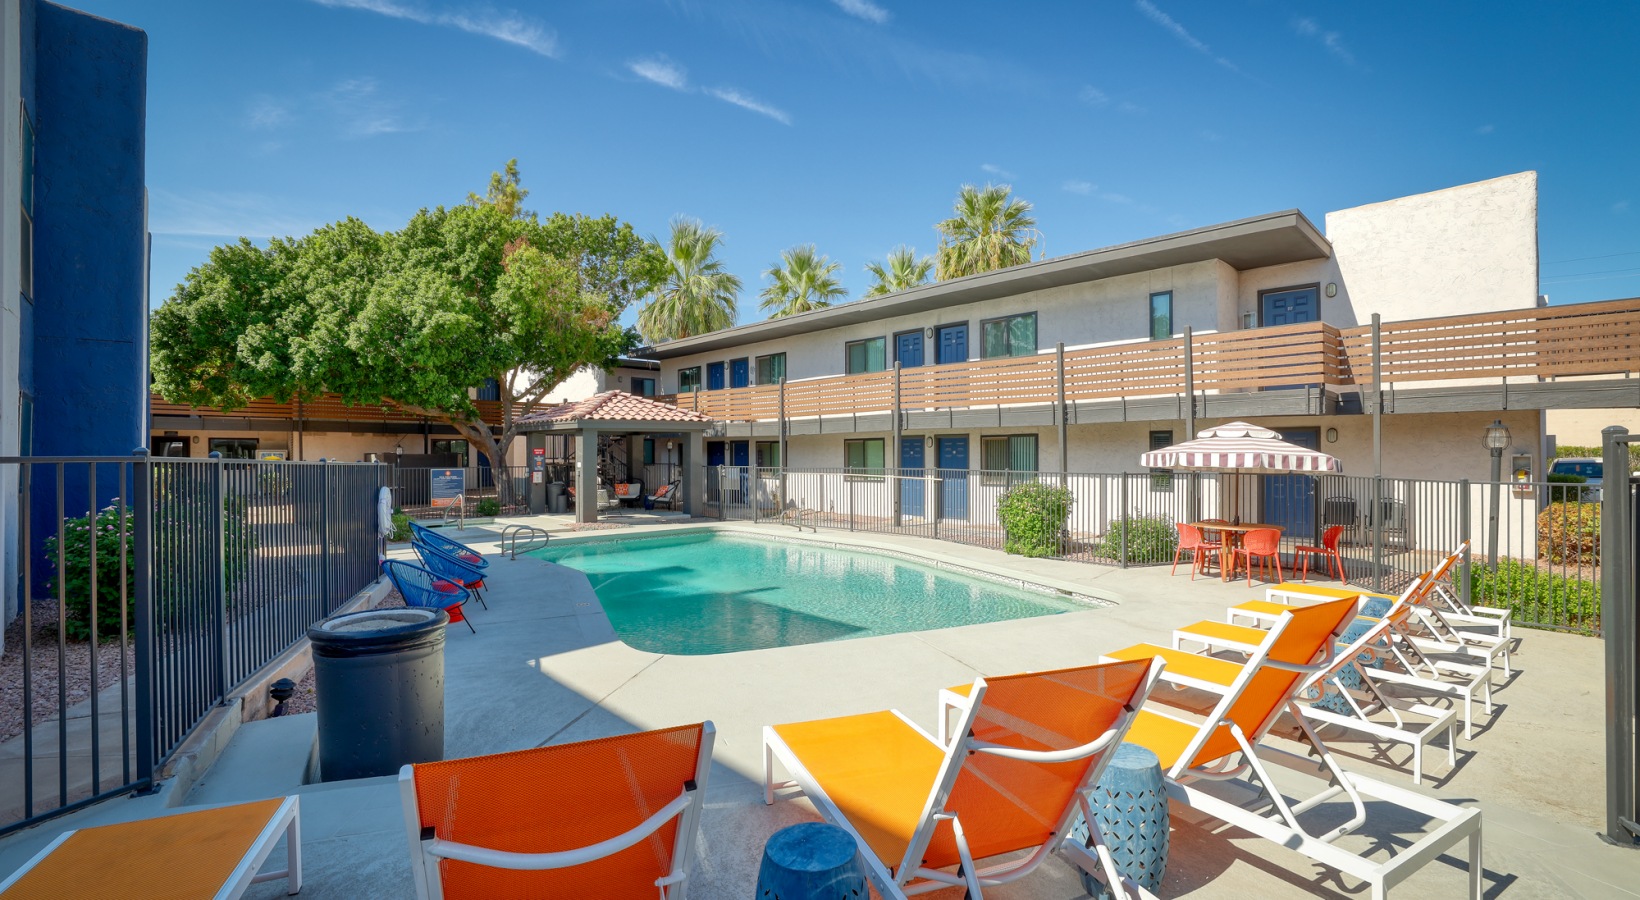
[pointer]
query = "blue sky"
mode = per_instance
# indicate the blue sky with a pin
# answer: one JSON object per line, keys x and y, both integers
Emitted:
{"x": 850, "y": 124}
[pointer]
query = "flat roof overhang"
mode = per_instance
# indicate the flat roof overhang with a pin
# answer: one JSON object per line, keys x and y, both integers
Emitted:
{"x": 1267, "y": 240}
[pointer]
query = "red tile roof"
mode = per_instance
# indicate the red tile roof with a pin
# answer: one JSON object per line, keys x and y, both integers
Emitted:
{"x": 615, "y": 406}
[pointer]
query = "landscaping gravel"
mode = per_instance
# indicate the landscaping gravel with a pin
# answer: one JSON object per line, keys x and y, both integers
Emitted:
{"x": 42, "y": 654}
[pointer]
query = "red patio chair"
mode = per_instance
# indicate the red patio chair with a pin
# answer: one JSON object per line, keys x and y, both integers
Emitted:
{"x": 1327, "y": 550}
{"x": 1191, "y": 539}
{"x": 1264, "y": 545}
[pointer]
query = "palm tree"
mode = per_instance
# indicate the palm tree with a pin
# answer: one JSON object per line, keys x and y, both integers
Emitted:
{"x": 697, "y": 295}
{"x": 803, "y": 280}
{"x": 991, "y": 230}
{"x": 903, "y": 270}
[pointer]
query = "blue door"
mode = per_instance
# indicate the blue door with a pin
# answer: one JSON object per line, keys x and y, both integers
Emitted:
{"x": 740, "y": 374}
{"x": 911, "y": 466}
{"x": 908, "y": 349}
{"x": 714, "y": 453}
{"x": 953, "y": 343}
{"x": 954, "y": 469}
{"x": 741, "y": 453}
{"x": 1289, "y": 500}
{"x": 714, "y": 376}
{"x": 1289, "y": 307}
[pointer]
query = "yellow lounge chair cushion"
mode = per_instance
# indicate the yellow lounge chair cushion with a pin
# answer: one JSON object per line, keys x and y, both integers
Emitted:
{"x": 181, "y": 856}
{"x": 1264, "y": 607}
{"x": 1183, "y": 663}
{"x": 1222, "y": 631}
{"x": 1315, "y": 590}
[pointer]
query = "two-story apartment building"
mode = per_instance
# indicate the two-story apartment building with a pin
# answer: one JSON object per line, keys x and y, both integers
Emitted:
{"x": 1080, "y": 363}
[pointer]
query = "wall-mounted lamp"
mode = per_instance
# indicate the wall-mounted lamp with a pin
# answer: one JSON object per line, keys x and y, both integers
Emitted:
{"x": 929, "y": 332}
{"x": 928, "y": 442}
{"x": 1332, "y": 288}
{"x": 196, "y": 438}
{"x": 1332, "y": 435}
{"x": 1249, "y": 320}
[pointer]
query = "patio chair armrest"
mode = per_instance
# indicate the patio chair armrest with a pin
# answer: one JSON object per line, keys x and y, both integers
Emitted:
{"x": 1047, "y": 756}
{"x": 502, "y": 859}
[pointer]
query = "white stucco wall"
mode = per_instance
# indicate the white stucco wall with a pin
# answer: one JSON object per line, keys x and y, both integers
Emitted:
{"x": 1471, "y": 248}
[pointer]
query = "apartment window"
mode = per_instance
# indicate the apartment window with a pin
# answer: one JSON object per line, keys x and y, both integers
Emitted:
{"x": 234, "y": 448}
{"x": 1161, "y": 480}
{"x": 648, "y": 451}
{"x": 771, "y": 369}
{"x": 489, "y": 390}
{"x": 1161, "y": 315}
{"x": 457, "y": 448}
{"x": 870, "y": 355}
{"x": 689, "y": 380}
{"x": 643, "y": 387}
{"x": 1010, "y": 336}
{"x": 865, "y": 457}
{"x": 1004, "y": 455}
{"x": 768, "y": 454}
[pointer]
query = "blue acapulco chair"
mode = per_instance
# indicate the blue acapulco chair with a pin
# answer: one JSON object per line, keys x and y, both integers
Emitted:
{"x": 451, "y": 569}
{"x": 420, "y": 587}
{"x": 421, "y": 534}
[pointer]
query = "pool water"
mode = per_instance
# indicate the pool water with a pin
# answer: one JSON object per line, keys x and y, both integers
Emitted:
{"x": 701, "y": 593}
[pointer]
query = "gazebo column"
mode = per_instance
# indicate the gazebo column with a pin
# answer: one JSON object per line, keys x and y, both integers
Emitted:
{"x": 536, "y": 441}
{"x": 586, "y": 475}
{"x": 693, "y": 466}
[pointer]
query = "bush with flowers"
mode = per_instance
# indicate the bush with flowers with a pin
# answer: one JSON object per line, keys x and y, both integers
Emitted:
{"x": 111, "y": 527}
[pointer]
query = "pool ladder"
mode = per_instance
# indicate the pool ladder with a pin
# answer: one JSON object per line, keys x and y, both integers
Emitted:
{"x": 515, "y": 538}
{"x": 794, "y": 518}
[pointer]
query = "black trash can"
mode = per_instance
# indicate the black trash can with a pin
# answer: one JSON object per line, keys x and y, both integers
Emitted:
{"x": 556, "y": 503}
{"x": 379, "y": 676}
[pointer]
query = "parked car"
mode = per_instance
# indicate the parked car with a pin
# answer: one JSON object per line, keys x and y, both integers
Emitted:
{"x": 1588, "y": 467}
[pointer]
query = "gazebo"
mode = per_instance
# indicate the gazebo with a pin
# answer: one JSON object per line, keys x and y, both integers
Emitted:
{"x": 618, "y": 413}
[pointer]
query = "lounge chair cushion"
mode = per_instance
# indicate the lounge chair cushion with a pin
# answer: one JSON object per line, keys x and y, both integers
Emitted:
{"x": 1184, "y": 663}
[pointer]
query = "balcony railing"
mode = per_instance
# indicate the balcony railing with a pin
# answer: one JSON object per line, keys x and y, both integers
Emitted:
{"x": 1581, "y": 339}
{"x": 328, "y": 408}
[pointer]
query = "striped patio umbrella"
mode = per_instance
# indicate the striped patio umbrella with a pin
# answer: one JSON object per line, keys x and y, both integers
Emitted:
{"x": 1240, "y": 447}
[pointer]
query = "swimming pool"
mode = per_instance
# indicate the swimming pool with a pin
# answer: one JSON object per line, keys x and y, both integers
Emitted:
{"x": 697, "y": 593}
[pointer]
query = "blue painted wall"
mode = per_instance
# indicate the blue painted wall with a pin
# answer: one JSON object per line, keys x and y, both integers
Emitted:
{"x": 90, "y": 371}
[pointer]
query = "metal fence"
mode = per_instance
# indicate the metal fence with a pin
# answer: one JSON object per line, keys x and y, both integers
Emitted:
{"x": 152, "y": 590}
{"x": 1535, "y": 556}
{"x": 508, "y": 486}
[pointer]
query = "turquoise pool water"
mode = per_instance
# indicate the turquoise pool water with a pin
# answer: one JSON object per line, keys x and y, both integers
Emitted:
{"x": 703, "y": 593}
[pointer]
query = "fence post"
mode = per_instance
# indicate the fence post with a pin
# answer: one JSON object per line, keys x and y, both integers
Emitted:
{"x": 1463, "y": 536}
{"x": 142, "y": 563}
{"x": 1060, "y": 417}
{"x": 851, "y": 485}
{"x": 893, "y": 452}
{"x": 219, "y": 520}
{"x": 1618, "y": 628}
{"x": 1122, "y": 522}
{"x": 935, "y": 502}
{"x": 324, "y": 538}
{"x": 1377, "y": 532}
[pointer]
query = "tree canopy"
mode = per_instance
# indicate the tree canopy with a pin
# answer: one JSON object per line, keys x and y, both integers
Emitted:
{"x": 696, "y": 294}
{"x": 802, "y": 281}
{"x": 411, "y": 319}
{"x": 989, "y": 229}
{"x": 902, "y": 270}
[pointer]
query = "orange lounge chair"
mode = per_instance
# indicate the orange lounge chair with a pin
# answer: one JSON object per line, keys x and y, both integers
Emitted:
{"x": 612, "y": 817}
{"x": 1228, "y": 745}
{"x": 1030, "y": 747}
{"x": 205, "y": 854}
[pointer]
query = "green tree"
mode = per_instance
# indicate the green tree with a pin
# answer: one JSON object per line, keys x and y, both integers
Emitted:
{"x": 696, "y": 294}
{"x": 505, "y": 193}
{"x": 902, "y": 270}
{"x": 412, "y": 319}
{"x": 803, "y": 280}
{"x": 990, "y": 230}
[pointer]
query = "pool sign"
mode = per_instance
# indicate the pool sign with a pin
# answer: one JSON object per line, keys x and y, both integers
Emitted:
{"x": 449, "y": 486}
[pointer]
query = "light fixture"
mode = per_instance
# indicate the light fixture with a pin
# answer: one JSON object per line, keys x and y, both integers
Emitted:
{"x": 1332, "y": 288}
{"x": 1332, "y": 435}
{"x": 928, "y": 441}
{"x": 1497, "y": 437}
{"x": 929, "y": 332}
{"x": 1249, "y": 320}
{"x": 279, "y": 692}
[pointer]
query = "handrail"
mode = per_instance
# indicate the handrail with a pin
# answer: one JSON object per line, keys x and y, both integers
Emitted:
{"x": 522, "y": 533}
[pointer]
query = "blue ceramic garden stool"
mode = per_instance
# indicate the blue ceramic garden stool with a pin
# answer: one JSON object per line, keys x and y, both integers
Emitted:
{"x": 1130, "y": 804}
{"x": 811, "y": 861}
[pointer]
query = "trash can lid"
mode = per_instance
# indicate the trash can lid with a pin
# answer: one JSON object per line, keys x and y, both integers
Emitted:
{"x": 375, "y": 631}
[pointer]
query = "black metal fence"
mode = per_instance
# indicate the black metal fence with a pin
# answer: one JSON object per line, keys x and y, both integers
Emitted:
{"x": 506, "y": 486}
{"x": 1536, "y": 556}
{"x": 148, "y": 592}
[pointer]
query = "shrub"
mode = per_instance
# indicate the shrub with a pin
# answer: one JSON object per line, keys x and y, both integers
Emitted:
{"x": 401, "y": 527}
{"x": 487, "y": 506}
{"x": 1150, "y": 539}
{"x": 79, "y": 534}
{"x": 1569, "y": 533}
{"x": 1534, "y": 596}
{"x": 1559, "y": 494}
{"x": 1033, "y": 517}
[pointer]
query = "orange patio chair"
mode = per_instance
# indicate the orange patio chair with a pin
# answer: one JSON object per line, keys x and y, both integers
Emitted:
{"x": 1328, "y": 551}
{"x": 209, "y": 854}
{"x": 613, "y": 817}
{"x": 1264, "y": 545}
{"x": 924, "y": 813}
{"x": 1192, "y": 540}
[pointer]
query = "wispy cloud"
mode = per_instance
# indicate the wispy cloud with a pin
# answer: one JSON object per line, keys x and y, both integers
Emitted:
{"x": 267, "y": 113}
{"x": 1486, "y": 129}
{"x": 745, "y": 101}
{"x": 1310, "y": 28}
{"x": 364, "y": 112}
{"x": 1620, "y": 207}
{"x": 502, "y": 25}
{"x": 1092, "y": 96}
{"x": 1171, "y": 25}
{"x": 221, "y": 214}
{"x": 998, "y": 171}
{"x": 863, "y": 9}
{"x": 1211, "y": 136}
{"x": 661, "y": 71}
{"x": 1075, "y": 186}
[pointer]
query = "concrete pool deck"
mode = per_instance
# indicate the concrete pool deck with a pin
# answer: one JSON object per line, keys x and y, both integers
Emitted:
{"x": 545, "y": 667}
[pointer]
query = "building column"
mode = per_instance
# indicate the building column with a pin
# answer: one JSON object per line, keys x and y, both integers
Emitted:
{"x": 535, "y": 440}
{"x": 693, "y": 466}
{"x": 586, "y": 475}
